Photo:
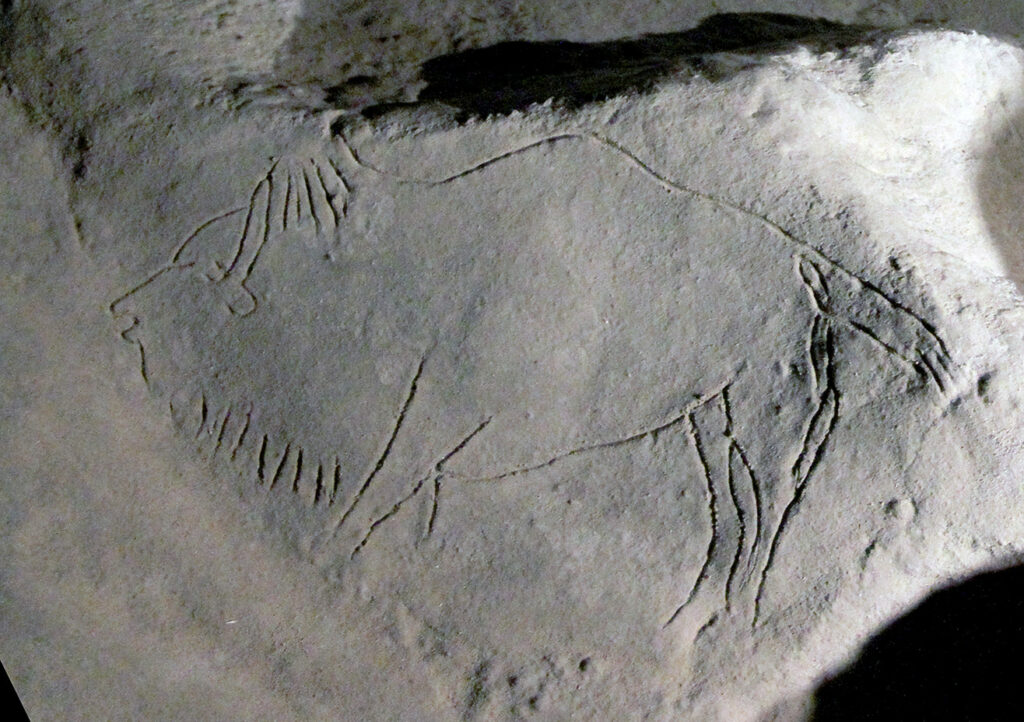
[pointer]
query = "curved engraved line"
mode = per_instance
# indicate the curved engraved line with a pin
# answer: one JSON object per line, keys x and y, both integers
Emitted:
{"x": 605, "y": 143}
{"x": 667, "y": 183}
{"x": 829, "y": 398}
{"x": 712, "y": 498}
{"x": 174, "y": 264}
{"x": 741, "y": 517}
{"x": 245, "y": 229}
{"x": 758, "y": 509}
{"x": 383, "y": 457}
{"x": 268, "y": 181}
{"x": 266, "y": 233}
{"x": 438, "y": 471}
{"x": 637, "y": 436}
{"x": 202, "y": 227}
{"x": 128, "y": 294}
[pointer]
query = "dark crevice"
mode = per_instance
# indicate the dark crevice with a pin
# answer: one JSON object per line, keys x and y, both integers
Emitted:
{"x": 515, "y": 75}
{"x": 953, "y": 655}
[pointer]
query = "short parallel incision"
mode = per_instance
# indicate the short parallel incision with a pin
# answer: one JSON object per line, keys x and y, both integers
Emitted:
{"x": 231, "y": 437}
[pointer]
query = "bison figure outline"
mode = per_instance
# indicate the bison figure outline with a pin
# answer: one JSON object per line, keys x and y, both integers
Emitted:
{"x": 321, "y": 203}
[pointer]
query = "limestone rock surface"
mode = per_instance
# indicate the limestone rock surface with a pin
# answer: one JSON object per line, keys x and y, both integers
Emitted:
{"x": 649, "y": 405}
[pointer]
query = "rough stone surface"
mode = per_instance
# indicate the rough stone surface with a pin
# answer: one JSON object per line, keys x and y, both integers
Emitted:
{"x": 651, "y": 401}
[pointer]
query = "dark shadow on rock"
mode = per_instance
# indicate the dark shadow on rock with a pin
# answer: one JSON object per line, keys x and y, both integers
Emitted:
{"x": 955, "y": 656}
{"x": 1000, "y": 190}
{"x": 515, "y": 75}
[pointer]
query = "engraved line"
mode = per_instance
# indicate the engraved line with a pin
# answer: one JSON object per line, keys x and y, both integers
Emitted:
{"x": 204, "y": 410}
{"x": 346, "y": 191}
{"x": 727, "y": 410}
{"x": 142, "y": 361}
{"x": 812, "y": 350}
{"x": 741, "y": 516}
{"x": 112, "y": 308}
{"x": 787, "y": 514}
{"x": 827, "y": 403}
{"x": 461, "y": 445}
{"x": 298, "y": 201}
{"x": 261, "y": 464}
{"x": 245, "y": 229}
{"x": 821, "y": 304}
{"x": 390, "y": 513}
{"x": 833, "y": 390}
{"x": 433, "y": 505}
{"x": 337, "y": 482}
{"x": 240, "y": 439}
{"x": 202, "y": 227}
{"x": 287, "y": 199}
{"x": 222, "y": 430}
{"x": 319, "y": 488}
{"x": 758, "y": 506}
{"x": 327, "y": 194}
{"x": 340, "y": 176}
{"x": 805, "y": 442}
{"x": 265, "y": 235}
{"x": 801, "y": 484}
{"x": 418, "y": 486}
{"x": 439, "y": 469}
{"x": 871, "y": 335}
{"x": 712, "y": 514}
{"x": 640, "y": 435}
{"x": 280, "y": 464}
{"x": 603, "y": 141}
{"x": 936, "y": 376}
{"x": 832, "y": 404}
{"x": 396, "y": 427}
{"x": 298, "y": 471}
{"x": 812, "y": 278}
{"x": 350, "y": 151}
{"x": 309, "y": 196}
{"x": 138, "y": 344}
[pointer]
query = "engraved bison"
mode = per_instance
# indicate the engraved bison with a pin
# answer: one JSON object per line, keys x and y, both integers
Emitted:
{"x": 366, "y": 340}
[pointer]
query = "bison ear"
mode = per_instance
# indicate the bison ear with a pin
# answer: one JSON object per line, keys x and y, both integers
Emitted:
{"x": 236, "y": 296}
